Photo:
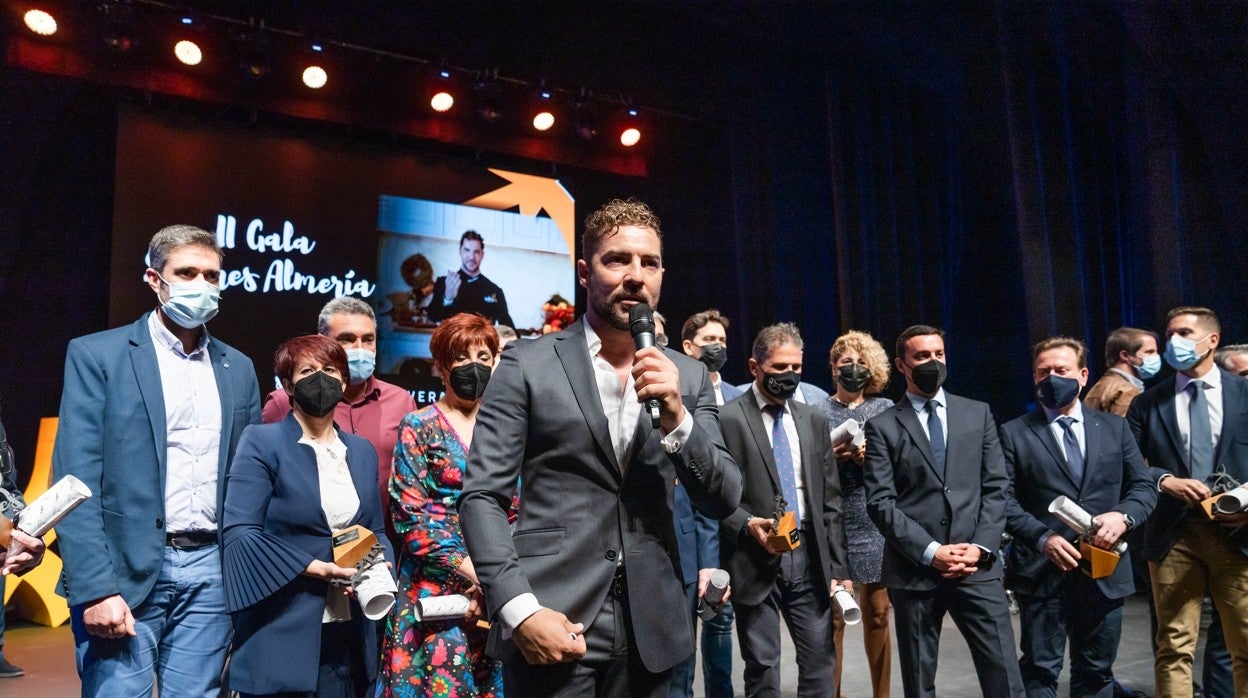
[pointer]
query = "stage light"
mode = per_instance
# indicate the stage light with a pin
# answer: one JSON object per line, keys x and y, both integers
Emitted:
{"x": 188, "y": 52}
{"x": 315, "y": 77}
{"x": 543, "y": 121}
{"x": 40, "y": 22}
{"x": 442, "y": 101}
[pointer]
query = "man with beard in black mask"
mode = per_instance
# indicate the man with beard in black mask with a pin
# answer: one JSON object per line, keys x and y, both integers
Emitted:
{"x": 1064, "y": 448}
{"x": 588, "y": 585}
{"x": 784, "y": 449}
{"x": 936, "y": 488}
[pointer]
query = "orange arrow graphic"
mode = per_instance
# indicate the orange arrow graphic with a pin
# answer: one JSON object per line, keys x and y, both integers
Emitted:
{"x": 532, "y": 194}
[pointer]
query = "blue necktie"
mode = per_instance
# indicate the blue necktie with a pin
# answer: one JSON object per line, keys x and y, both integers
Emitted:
{"x": 936, "y": 433}
{"x": 1200, "y": 432}
{"x": 1074, "y": 456}
{"x": 784, "y": 458}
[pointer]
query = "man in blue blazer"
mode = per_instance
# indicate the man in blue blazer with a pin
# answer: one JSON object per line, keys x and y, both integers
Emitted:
{"x": 1065, "y": 449}
{"x": 936, "y": 488}
{"x": 704, "y": 336}
{"x": 1193, "y": 431}
{"x": 150, "y": 416}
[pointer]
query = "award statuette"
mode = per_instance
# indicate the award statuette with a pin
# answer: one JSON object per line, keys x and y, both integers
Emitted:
{"x": 785, "y": 535}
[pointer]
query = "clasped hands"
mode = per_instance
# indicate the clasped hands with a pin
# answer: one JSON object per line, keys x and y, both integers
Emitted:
{"x": 957, "y": 560}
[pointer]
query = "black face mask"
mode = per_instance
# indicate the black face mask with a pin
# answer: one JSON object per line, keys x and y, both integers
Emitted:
{"x": 469, "y": 381}
{"x": 929, "y": 375}
{"x": 853, "y": 377}
{"x": 714, "y": 356}
{"x": 781, "y": 385}
{"x": 1055, "y": 392}
{"x": 317, "y": 394}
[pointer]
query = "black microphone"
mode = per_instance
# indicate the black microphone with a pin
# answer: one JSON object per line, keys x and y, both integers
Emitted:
{"x": 641, "y": 324}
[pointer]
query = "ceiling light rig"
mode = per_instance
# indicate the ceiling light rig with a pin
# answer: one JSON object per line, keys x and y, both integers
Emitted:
{"x": 582, "y": 116}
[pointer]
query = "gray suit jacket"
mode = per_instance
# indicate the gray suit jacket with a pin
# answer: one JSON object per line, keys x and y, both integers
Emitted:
{"x": 753, "y": 569}
{"x": 913, "y": 504}
{"x": 541, "y": 424}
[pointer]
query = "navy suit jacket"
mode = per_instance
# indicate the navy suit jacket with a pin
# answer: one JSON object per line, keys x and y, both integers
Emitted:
{"x": 1113, "y": 479}
{"x": 112, "y": 436}
{"x": 273, "y": 528}
{"x": 753, "y": 568}
{"x": 913, "y": 504}
{"x": 1155, "y": 425}
{"x": 541, "y": 421}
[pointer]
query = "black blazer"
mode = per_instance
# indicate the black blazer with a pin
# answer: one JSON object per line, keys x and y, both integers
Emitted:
{"x": 753, "y": 569}
{"x": 1114, "y": 479}
{"x": 1154, "y": 423}
{"x": 541, "y": 421}
{"x": 913, "y": 505}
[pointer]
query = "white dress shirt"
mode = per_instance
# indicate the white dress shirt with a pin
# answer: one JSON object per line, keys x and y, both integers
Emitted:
{"x": 193, "y": 430}
{"x": 795, "y": 445}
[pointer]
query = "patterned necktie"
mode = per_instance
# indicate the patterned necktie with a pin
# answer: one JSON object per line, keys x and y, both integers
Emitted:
{"x": 784, "y": 458}
{"x": 1074, "y": 456}
{"x": 1200, "y": 432}
{"x": 936, "y": 432}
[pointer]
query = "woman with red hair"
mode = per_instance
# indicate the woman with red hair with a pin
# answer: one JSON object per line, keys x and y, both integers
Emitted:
{"x": 439, "y": 657}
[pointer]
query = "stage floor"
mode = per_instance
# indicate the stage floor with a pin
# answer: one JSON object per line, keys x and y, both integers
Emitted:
{"x": 47, "y": 655}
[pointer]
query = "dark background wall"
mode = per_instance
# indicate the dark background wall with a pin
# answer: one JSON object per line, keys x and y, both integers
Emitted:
{"x": 1007, "y": 171}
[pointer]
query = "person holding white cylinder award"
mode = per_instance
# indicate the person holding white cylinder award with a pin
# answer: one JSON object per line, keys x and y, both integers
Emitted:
{"x": 304, "y": 625}
{"x": 860, "y": 369}
{"x": 424, "y": 655}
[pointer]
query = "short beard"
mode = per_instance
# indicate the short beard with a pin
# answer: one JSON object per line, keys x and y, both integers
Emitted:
{"x": 610, "y": 313}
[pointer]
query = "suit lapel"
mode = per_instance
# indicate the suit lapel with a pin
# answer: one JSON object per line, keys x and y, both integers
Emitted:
{"x": 910, "y": 422}
{"x": 147, "y": 374}
{"x": 574, "y": 356}
{"x": 1094, "y": 445}
{"x": 1233, "y": 404}
{"x": 220, "y": 371}
{"x": 1038, "y": 421}
{"x": 754, "y": 418}
{"x": 1165, "y": 407}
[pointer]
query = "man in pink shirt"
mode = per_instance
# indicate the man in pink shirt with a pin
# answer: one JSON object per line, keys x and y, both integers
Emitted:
{"x": 369, "y": 408}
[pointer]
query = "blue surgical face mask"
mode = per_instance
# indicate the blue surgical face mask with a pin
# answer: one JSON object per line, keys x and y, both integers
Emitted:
{"x": 361, "y": 363}
{"x": 191, "y": 303}
{"x": 1149, "y": 367}
{"x": 1181, "y": 352}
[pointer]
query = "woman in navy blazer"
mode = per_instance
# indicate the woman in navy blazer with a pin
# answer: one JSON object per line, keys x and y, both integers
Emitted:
{"x": 287, "y": 491}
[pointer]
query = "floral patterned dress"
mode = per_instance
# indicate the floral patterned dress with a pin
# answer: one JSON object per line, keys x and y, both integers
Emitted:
{"x": 445, "y": 657}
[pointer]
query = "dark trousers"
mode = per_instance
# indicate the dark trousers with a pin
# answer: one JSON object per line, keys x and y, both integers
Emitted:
{"x": 980, "y": 611}
{"x": 610, "y": 667}
{"x": 1077, "y": 610}
{"x": 800, "y": 596}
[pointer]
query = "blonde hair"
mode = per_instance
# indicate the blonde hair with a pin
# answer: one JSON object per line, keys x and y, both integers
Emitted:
{"x": 871, "y": 351}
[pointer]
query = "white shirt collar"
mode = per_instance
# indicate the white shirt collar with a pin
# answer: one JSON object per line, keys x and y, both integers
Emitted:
{"x": 162, "y": 336}
{"x": 1075, "y": 414}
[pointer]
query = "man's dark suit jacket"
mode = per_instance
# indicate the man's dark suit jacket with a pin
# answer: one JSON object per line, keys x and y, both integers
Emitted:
{"x": 541, "y": 420}
{"x": 753, "y": 569}
{"x": 1154, "y": 423}
{"x": 913, "y": 504}
{"x": 1114, "y": 479}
